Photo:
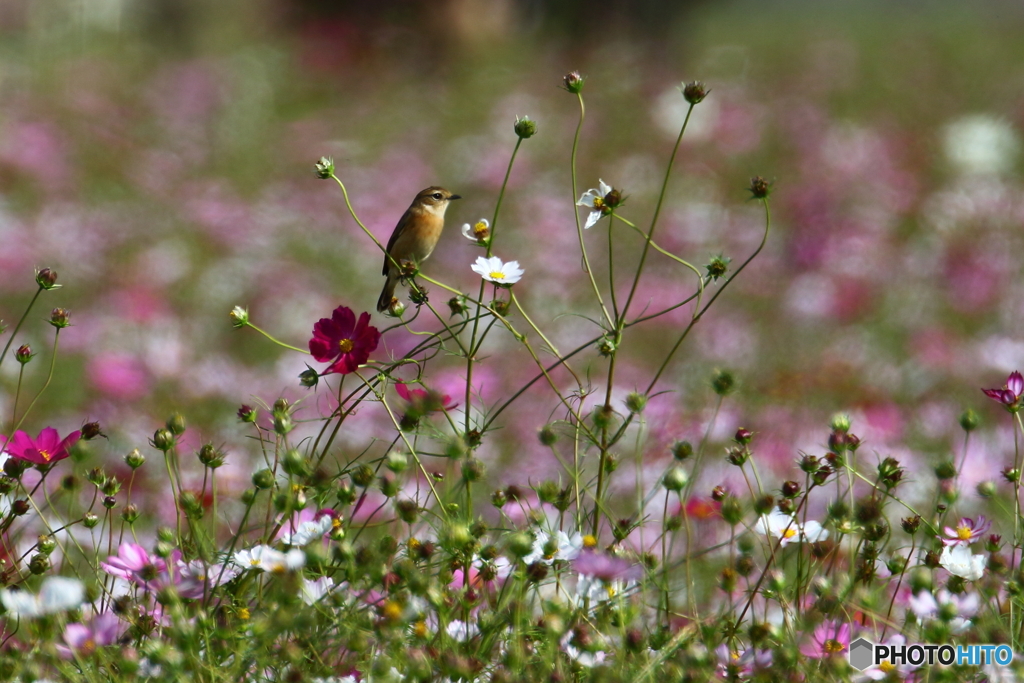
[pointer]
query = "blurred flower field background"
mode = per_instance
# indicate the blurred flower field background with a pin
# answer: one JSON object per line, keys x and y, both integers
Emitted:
{"x": 159, "y": 157}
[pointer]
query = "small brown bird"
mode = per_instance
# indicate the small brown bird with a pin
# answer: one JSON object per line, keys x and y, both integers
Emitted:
{"x": 414, "y": 237}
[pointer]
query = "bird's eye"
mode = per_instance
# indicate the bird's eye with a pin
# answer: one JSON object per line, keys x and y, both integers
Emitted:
{"x": 437, "y": 195}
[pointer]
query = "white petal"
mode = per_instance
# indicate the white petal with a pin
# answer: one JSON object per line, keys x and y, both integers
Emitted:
{"x": 594, "y": 217}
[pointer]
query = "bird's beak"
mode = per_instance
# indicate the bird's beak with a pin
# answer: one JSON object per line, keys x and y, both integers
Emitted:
{"x": 455, "y": 196}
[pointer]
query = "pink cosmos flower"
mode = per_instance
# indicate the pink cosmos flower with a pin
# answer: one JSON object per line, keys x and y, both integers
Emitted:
{"x": 424, "y": 400}
{"x": 83, "y": 639}
{"x": 1010, "y": 394}
{"x": 606, "y": 568}
{"x": 134, "y": 563}
{"x": 830, "y": 638}
{"x": 44, "y": 449}
{"x": 342, "y": 341}
{"x": 967, "y": 531}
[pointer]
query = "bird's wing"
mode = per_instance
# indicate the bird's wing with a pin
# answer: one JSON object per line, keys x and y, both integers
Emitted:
{"x": 394, "y": 238}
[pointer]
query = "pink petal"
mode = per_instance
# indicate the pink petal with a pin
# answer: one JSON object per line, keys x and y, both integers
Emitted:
{"x": 1015, "y": 383}
{"x": 48, "y": 440}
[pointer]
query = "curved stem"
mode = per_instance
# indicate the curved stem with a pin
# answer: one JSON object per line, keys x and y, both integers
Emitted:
{"x": 49, "y": 377}
{"x": 576, "y": 214}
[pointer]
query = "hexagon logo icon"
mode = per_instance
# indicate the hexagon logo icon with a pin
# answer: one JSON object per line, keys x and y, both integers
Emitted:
{"x": 862, "y": 654}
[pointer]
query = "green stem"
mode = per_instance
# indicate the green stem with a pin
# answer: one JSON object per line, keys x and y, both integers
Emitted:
{"x": 17, "y": 327}
{"x": 576, "y": 213}
{"x": 53, "y": 363}
{"x": 277, "y": 341}
{"x": 657, "y": 213}
{"x": 699, "y": 315}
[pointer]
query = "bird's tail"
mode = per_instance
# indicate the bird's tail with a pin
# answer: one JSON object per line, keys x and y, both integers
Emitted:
{"x": 387, "y": 295}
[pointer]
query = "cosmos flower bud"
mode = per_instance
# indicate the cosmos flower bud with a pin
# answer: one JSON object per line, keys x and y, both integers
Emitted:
{"x": 525, "y": 127}
{"x": 573, "y": 82}
{"x": 362, "y": 476}
{"x": 397, "y": 462}
{"x": 47, "y": 279}
{"x": 247, "y": 414}
{"x": 606, "y": 347}
{"x": 636, "y": 402}
{"x": 759, "y": 187}
{"x": 163, "y": 439}
{"x": 791, "y": 489}
{"x": 239, "y": 317}
{"x": 176, "y": 423}
{"x": 90, "y": 520}
{"x": 499, "y": 499}
{"x": 547, "y": 436}
{"x": 23, "y": 354}
{"x": 210, "y": 457}
{"x": 969, "y": 420}
{"x": 263, "y": 479}
{"x": 408, "y": 510}
{"x": 39, "y": 564}
{"x": 309, "y": 377}
{"x": 718, "y": 266}
{"x": 675, "y": 479}
{"x": 395, "y": 309}
{"x": 986, "y": 489}
{"x": 130, "y": 513}
{"x": 59, "y": 317}
{"x": 695, "y": 92}
{"x": 457, "y": 305}
{"x": 473, "y": 469}
{"x": 324, "y": 168}
{"x": 723, "y": 382}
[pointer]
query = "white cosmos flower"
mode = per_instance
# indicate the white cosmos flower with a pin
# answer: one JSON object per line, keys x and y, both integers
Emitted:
{"x": 567, "y": 547}
{"x": 57, "y": 593}
{"x": 787, "y": 529}
{"x": 493, "y": 270}
{"x": 594, "y": 200}
{"x": 478, "y": 232}
{"x": 308, "y": 531}
{"x": 959, "y": 561}
{"x": 312, "y": 591}
{"x": 265, "y": 558}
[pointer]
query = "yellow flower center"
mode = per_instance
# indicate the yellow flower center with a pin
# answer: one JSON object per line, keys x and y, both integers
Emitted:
{"x": 243, "y": 613}
{"x": 832, "y": 646}
{"x": 598, "y": 203}
{"x": 392, "y": 611}
{"x": 88, "y": 647}
{"x": 963, "y": 533}
{"x": 480, "y": 230}
{"x": 254, "y": 562}
{"x": 497, "y": 275}
{"x": 589, "y": 541}
{"x": 419, "y": 629}
{"x": 346, "y": 345}
{"x": 789, "y": 533}
{"x": 887, "y": 667}
{"x": 46, "y": 454}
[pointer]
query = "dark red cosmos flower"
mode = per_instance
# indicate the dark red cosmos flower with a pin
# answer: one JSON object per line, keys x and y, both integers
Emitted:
{"x": 1010, "y": 394}
{"x": 342, "y": 341}
{"x": 44, "y": 449}
{"x": 425, "y": 400}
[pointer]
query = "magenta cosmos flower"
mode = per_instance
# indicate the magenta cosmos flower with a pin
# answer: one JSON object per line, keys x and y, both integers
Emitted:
{"x": 1011, "y": 392}
{"x": 42, "y": 450}
{"x": 342, "y": 341}
{"x": 424, "y": 400}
